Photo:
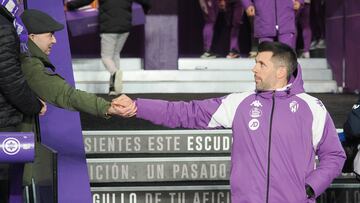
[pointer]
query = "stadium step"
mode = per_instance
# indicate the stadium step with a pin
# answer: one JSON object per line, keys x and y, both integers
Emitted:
{"x": 193, "y": 76}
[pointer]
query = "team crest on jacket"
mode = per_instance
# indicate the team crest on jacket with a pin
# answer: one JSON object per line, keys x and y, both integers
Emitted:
{"x": 256, "y": 103}
{"x": 255, "y": 112}
{"x": 254, "y": 124}
{"x": 294, "y": 106}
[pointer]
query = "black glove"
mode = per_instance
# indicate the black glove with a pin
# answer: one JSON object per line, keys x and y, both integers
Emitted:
{"x": 309, "y": 192}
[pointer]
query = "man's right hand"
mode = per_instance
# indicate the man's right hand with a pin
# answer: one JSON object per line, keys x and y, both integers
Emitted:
{"x": 123, "y": 106}
{"x": 43, "y": 108}
{"x": 250, "y": 11}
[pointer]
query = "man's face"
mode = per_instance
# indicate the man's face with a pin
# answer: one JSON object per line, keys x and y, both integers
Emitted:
{"x": 264, "y": 71}
{"x": 44, "y": 41}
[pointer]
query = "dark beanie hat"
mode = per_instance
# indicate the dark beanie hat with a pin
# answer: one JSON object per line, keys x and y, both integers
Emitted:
{"x": 38, "y": 22}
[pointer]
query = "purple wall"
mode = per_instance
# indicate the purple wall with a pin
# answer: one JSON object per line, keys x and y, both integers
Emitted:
{"x": 60, "y": 128}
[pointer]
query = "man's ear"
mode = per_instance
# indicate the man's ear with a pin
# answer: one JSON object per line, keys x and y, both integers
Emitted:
{"x": 31, "y": 36}
{"x": 281, "y": 72}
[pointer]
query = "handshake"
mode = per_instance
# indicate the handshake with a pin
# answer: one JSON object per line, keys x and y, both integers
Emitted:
{"x": 122, "y": 106}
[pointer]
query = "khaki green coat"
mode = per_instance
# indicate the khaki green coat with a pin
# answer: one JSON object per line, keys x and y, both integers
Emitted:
{"x": 52, "y": 88}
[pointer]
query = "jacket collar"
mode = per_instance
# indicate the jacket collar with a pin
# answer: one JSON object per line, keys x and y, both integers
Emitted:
{"x": 36, "y": 52}
{"x": 294, "y": 86}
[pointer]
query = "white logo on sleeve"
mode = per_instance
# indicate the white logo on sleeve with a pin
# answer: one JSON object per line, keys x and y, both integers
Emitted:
{"x": 356, "y": 106}
{"x": 294, "y": 106}
{"x": 254, "y": 124}
{"x": 11, "y": 146}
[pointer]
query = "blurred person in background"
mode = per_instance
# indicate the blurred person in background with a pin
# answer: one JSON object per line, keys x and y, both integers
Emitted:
{"x": 234, "y": 11}
{"x": 210, "y": 10}
{"x": 317, "y": 16}
{"x": 115, "y": 17}
{"x": 352, "y": 141}
{"x": 304, "y": 22}
{"x": 274, "y": 20}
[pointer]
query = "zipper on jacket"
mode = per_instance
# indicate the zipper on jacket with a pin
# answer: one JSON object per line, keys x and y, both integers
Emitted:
{"x": 276, "y": 20}
{"x": 269, "y": 148}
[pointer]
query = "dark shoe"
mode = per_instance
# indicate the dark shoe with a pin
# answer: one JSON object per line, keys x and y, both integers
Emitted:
{"x": 112, "y": 91}
{"x": 111, "y": 85}
{"x": 233, "y": 54}
{"x": 112, "y": 80}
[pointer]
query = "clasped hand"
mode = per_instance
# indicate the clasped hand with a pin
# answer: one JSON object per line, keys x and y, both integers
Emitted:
{"x": 123, "y": 106}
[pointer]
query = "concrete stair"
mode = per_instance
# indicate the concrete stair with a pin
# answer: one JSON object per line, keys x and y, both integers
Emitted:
{"x": 194, "y": 76}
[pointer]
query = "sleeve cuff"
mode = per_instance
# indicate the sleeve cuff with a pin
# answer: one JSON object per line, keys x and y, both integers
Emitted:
{"x": 314, "y": 187}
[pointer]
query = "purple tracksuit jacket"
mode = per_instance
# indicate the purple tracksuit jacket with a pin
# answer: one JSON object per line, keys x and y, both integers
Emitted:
{"x": 269, "y": 13}
{"x": 276, "y": 136}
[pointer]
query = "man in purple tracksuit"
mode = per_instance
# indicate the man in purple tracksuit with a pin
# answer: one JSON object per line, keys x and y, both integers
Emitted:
{"x": 274, "y": 19}
{"x": 277, "y": 131}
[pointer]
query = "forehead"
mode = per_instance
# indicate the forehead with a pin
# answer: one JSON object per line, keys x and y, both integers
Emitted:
{"x": 264, "y": 56}
{"x": 47, "y": 34}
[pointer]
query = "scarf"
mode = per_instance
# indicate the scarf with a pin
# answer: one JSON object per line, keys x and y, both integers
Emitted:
{"x": 13, "y": 8}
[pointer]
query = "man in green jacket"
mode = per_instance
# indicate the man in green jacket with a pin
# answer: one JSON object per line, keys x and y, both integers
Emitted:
{"x": 40, "y": 75}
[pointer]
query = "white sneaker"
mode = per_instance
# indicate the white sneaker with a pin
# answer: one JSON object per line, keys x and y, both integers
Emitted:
{"x": 252, "y": 54}
{"x": 305, "y": 55}
{"x": 313, "y": 44}
{"x": 208, "y": 55}
{"x": 321, "y": 44}
{"x": 112, "y": 92}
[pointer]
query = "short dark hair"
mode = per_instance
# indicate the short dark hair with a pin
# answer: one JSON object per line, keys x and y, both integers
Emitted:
{"x": 283, "y": 53}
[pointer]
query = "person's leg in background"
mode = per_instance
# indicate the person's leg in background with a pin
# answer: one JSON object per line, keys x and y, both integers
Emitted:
{"x": 304, "y": 20}
{"x": 317, "y": 16}
{"x": 254, "y": 41}
{"x": 108, "y": 42}
{"x": 210, "y": 11}
{"x": 322, "y": 41}
{"x": 120, "y": 41}
{"x": 235, "y": 11}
